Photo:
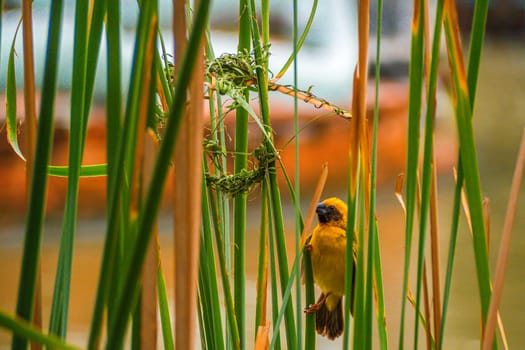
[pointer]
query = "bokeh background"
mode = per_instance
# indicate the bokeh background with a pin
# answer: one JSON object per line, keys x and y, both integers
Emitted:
{"x": 326, "y": 66}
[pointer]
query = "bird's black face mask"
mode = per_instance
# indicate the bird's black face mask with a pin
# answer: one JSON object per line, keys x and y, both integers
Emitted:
{"x": 327, "y": 213}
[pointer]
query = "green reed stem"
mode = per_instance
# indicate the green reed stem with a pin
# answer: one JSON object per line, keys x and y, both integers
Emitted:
{"x": 232, "y": 326}
{"x": 463, "y": 111}
{"x": 262, "y": 263}
{"x": 297, "y": 188}
{"x": 61, "y": 294}
{"x": 428, "y": 155}
{"x": 415, "y": 93}
{"x": 474, "y": 58}
{"x": 27, "y": 331}
{"x": 110, "y": 266}
{"x": 451, "y": 254}
{"x": 262, "y": 78}
{"x": 239, "y": 202}
{"x": 351, "y": 263}
{"x": 375, "y": 254}
{"x": 273, "y": 273}
{"x": 35, "y": 216}
{"x": 164, "y": 311}
{"x": 148, "y": 215}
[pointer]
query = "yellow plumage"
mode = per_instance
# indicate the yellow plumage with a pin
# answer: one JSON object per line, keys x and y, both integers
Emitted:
{"x": 328, "y": 251}
{"x": 328, "y": 262}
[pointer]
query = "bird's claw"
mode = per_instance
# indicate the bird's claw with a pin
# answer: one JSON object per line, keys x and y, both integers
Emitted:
{"x": 313, "y": 308}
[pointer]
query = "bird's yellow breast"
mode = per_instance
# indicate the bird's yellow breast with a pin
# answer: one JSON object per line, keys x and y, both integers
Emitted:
{"x": 328, "y": 259}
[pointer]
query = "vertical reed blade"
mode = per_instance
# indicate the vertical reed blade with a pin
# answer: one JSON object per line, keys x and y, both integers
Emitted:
{"x": 148, "y": 333}
{"x": 362, "y": 66}
{"x": 503, "y": 253}
{"x": 354, "y": 139}
{"x": 434, "y": 247}
{"x": 35, "y": 216}
{"x": 262, "y": 341}
{"x": 463, "y": 115}
{"x": 29, "y": 88}
{"x": 187, "y": 194}
{"x": 30, "y": 135}
{"x": 427, "y": 308}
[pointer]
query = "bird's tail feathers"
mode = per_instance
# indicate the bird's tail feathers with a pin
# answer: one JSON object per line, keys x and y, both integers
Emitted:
{"x": 330, "y": 323}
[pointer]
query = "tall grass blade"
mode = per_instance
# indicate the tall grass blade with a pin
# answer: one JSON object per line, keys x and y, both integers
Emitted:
{"x": 451, "y": 256}
{"x": 164, "y": 310}
{"x": 210, "y": 320}
{"x": 360, "y": 153}
{"x": 359, "y": 337}
{"x": 309, "y": 298}
{"x": 375, "y": 254}
{"x": 503, "y": 253}
{"x": 351, "y": 266}
{"x": 239, "y": 202}
{"x": 428, "y": 167}
{"x": 415, "y": 93}
{"x": 223, "y": 268}
{"x": 276, "y": 337}
{"x": 29, "y": 86}
{"x": 30, "y": 124}
{"x": 188, "y": 165}
{"x": 25, "y": 330}
{"x": 209, "y": 290}
{"x": 262, "y": 266}
{"x": 149, "y": 296}
{"x": 463, "y": 113}
{"x": 118, "y": 195}
{"x": 297, "y": 187}
{"x": 60, "y": 304}
{"x": 113, "y": 81}
{"x": 35, "y": 217}
{"x": 152, "y": 202}
{"x": 10, "y": 102}
{"x": 286, "y": 300}
{"x": 95, "y": 170}
{"x": 476, "y": 44}
{"x": 262, "y": 78}
{"x": 298, "y": 42}
{"x": 382, "y": 328}
{"x": 477, "y": 36}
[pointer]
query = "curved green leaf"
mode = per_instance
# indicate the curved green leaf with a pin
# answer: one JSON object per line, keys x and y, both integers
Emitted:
{"x": 26, "y": 330}
{"x": 10, "y": 101}
{"x": 300, "y": 42}
{"x": 85, "y": 170}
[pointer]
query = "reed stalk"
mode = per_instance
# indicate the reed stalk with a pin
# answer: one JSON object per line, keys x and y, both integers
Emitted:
{"x": 35, "y": 216}
{"x": 187, "y": 196}
{"x": 164, "y": 115}
{"x": 30, "y": 132}
{"x": 503, "y": 253}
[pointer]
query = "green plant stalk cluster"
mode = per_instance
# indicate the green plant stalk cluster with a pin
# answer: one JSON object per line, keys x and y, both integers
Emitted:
{"x": 415, "y": 93}
{"x": 35, "y": 216}
{"x": 239, "y": 202}
{"x": 234, "y": 75}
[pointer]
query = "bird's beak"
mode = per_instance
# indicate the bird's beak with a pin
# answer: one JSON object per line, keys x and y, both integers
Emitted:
{"x": 322, "y": 212}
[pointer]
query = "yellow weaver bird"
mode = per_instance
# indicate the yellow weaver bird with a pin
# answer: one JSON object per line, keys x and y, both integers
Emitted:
{"x": 328, "y": 251}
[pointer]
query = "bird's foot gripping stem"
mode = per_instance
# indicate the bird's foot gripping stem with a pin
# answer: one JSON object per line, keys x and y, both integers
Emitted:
{"x": 313, "y": 308}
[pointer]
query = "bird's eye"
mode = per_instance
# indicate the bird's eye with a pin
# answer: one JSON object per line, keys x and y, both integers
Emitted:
{"x": 331, "y": 207}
